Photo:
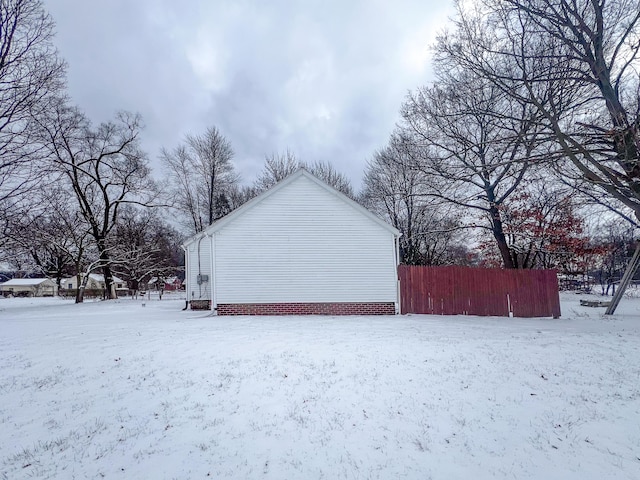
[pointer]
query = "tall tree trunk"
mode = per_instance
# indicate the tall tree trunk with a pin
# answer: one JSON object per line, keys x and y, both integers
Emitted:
{"x": 108, "y": 278}
{"x": 501, "y": 240}
{"x": 105, "y": 260}
{"x": 82, "y": 283}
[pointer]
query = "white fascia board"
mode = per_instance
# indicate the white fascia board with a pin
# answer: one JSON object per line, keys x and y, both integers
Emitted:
{"x": 301, "y": 172}
{"x": 190, "y": 240}
{"x": 243, "y": 208}
{"x": 253, "y": 202}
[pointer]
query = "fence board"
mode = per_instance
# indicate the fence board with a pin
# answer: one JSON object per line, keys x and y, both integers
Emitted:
{"x": 457, "y": 290}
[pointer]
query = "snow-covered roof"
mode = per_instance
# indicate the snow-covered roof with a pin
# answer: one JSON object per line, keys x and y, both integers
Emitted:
{"x": 301, "y": 172}
{"x": 97, "y": 277}
{"x": 24, "y": 282}
{"x": 166, "y": 280}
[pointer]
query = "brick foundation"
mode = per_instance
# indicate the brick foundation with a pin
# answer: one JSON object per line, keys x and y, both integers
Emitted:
{"x": 200, "y": 304}
{"x": 306, "y": 309}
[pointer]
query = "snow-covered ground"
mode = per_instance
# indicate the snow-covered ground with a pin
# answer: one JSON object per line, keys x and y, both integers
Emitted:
{"x": 118, "y": 390}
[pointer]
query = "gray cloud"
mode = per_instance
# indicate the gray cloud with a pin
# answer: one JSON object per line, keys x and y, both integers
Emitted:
{"x": 322, "y": 78}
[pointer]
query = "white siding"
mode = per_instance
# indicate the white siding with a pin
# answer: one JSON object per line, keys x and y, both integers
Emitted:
{"x": 199, "y": 263}
{"x": 304, "y": 244}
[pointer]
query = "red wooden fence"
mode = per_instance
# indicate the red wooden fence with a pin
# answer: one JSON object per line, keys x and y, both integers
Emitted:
{"x": 478, "y": 291}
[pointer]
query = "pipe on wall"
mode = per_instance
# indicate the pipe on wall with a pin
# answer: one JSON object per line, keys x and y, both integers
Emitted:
{"x": 186, "y": 276}
{"x": 212, "y": 279}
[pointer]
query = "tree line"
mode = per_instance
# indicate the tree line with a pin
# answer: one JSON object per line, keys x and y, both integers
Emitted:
{"x": 78, "y": 197}
{"x": 74, "y": 196}
{"x": 529, "y": 135}
{"x": 529, "y": 127}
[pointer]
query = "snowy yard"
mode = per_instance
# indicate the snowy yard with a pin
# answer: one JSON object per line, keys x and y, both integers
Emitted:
{"x": 117, "y": 390}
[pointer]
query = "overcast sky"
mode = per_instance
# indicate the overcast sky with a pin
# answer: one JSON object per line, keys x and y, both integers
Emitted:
{"x": 323, "y": 78}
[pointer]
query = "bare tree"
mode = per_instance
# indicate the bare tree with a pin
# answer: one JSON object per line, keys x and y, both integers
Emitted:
{"x": 30, "y": 75}
{"x": 61, "y": 231}
{"x": 54, "y": 235}
{"x": 103, "y": 166}
{"x": 241, "y": 194}
{"x": 575, "y": 62}
{"x": 56, "y": 246}
{"x": 326, "y": 172}
{"x": 201, "y": 177}
{"x": 613, "y": 244}
{"x": 477, "y": 146}
{"x": 144, "y": 246}
{"x": 398, "y": 192}
{"x": 278, "y": 167}
{"x": 544, "y": 228}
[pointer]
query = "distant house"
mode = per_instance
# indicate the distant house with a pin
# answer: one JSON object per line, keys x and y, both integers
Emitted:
{"x": 29, "y": 287}
{"x": 95, "y": 282}
{"x": 301, "y": 247}
{"x": 169, "y": 284}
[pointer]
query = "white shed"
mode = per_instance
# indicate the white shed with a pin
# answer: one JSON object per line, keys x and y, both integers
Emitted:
{"x": 95, "y": 282}
{"x": 29, "y": 287}
{"x": 301, "y": 247}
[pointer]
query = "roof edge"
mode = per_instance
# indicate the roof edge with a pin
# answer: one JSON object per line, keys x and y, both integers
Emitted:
{"x": 300, "y": 172}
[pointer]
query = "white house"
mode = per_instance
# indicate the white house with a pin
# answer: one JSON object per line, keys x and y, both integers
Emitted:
{"x": 29, "y": 287}
{"x": 95, "y": 282}
{"x": 168, "y": 283}
{"x": 301, "y": 247}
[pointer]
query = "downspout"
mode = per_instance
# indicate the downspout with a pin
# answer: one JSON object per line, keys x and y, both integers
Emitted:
{"x": 199, "y": 270}
{"x": 186, "y": 277}
{"x": 212, "y": 280}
